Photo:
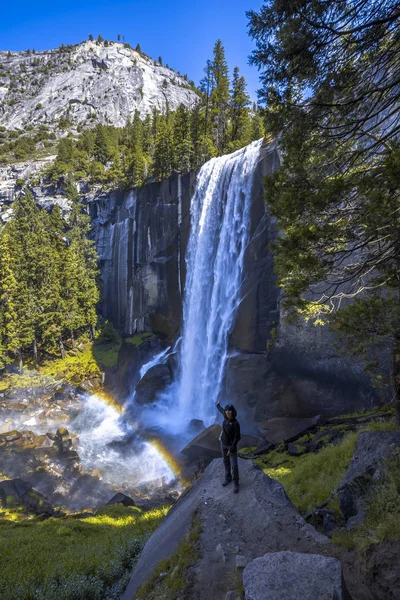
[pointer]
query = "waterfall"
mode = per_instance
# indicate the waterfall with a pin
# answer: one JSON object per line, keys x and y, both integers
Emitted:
{"x": 220, "y": 230}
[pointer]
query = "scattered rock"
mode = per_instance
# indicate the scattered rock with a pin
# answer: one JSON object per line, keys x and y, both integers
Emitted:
{"x": 221, "y": 553}
{"x": 291, "y": 575}
{"x": 241, "y": 561}
{"x": 324, "y": 437}
{"x": 297, "y": 449}
{"x": 20, "y": 493}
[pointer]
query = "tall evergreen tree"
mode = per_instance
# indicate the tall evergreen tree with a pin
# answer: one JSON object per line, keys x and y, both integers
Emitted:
{"x": 164, "y": 150}
{"x": 183, "y": 147}
{"x": 220, "y": 96}
{"x": 9, "y": 339}
{"x": 206, "y": 87}
{"x": 240, "y": 128}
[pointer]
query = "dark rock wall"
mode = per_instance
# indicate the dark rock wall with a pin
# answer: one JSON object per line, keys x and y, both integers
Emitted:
{"x": 141, "y": 236}
{"x": 275, "y": 369}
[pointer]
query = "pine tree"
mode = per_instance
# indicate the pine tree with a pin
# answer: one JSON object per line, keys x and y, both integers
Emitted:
{"x": 240, "y": 128}
{"x": 82, "y": 273}
{"x": 203, "y": 145}
{"x": 9, "y": 339}
{"x": 29, "y": 245}
{"x": 183, "y": 147}
{"x": 257, "y": 124}
{"x": 163, "y": 153}
{"x": 220, "y": 96}
{"x": 206, "y": 87}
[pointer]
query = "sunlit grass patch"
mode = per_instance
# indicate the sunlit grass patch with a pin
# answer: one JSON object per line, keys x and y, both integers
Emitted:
{"x": 73, "y": 369}
{"x": 72, "y": 558}
{"x": 138, "y": 338}
{"x": 310, "y": 479}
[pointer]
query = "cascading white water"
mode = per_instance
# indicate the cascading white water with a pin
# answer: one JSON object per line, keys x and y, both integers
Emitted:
{"x": 220, "y": 229}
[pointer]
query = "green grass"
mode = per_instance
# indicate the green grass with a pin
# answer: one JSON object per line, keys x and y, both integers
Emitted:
{"x": 310, "y": 479}
{"x": 72, "y": 559}
{"x": 73, "y": 369}
{"x": 106, "y": 353}
{"x": 170, "y": 580}
{"x": 138, "y": 338}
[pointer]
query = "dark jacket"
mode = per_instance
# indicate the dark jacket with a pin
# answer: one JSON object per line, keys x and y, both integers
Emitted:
{"x": 230, "y": 434}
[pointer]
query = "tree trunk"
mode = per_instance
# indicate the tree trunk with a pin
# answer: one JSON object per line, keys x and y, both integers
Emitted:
{"x": 35, "y": 353}
{"x": 19, "y": 357}
{"x": 72, "y": 339}
{"x": 62, "y": 350}
{"x": 395, "y": 376}
{"x": 91, "y": 331}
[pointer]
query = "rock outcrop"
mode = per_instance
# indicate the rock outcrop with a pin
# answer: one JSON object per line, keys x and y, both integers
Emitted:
{"x": 366, "y": 468}
{"x": 235, "y": 530}
{"x": 88, "y": 82}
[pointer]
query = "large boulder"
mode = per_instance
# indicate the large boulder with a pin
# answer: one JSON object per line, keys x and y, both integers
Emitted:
{"x": 204, "y": 445}
{"x": 152, "y": 383}
{"x": 121, "y": 498}
{"x": 294, "y": 576}
{"x": 17, "y": 493}
{"x": 366, "y": 467}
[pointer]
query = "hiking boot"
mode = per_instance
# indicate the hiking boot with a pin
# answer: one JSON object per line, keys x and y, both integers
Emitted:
{"x": 227, "y": 481}
{"x": 235, "y": 487}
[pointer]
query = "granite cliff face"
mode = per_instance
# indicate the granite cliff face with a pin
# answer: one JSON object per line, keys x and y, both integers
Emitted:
{"x": 87, "y": 83}
{"x": 274, "y": 369}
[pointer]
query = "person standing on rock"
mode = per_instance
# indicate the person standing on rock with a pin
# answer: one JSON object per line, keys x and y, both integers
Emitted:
{"x": 230, "y": 436}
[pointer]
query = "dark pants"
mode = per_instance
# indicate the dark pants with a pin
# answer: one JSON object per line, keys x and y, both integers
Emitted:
{"x": 230, "y": 462}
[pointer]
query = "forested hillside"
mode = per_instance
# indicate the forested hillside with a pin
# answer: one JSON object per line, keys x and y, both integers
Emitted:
{"x": 48, "y": 280}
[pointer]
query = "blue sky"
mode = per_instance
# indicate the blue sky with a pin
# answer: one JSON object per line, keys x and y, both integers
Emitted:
{"x": 182, "y": 32}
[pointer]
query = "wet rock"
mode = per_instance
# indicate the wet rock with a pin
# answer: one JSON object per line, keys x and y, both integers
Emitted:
{"x": 286, "y": 429}
{"x": 121, "y": 499}
{"x": 366, "y": 467}
{"x": 205, "y": 445}
{"x": 152, "y": 383}
{"x": 10, "y": 436}
{"x": 291, "y": 575}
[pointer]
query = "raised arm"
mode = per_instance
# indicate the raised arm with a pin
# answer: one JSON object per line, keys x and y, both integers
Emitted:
{"x": 221, "y": 410}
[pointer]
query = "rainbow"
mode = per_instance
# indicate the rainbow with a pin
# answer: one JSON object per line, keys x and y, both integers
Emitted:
{"x": 169, "y": 458}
